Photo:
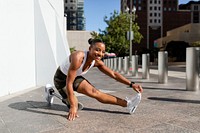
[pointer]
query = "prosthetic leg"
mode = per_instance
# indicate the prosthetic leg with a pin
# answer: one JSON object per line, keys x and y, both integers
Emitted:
{"x": 50, "y": 94}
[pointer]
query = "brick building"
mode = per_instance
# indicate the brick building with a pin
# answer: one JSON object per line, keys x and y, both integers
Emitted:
{"x": 155, "y": 18}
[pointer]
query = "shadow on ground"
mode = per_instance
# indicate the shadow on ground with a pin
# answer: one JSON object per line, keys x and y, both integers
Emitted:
{"x": 38, "y": 107}
{"x": 168, "y": 89}
{"x": 103, "y": 110}
{"x": 174, "y": 100}
{"x": 44, "y": 108}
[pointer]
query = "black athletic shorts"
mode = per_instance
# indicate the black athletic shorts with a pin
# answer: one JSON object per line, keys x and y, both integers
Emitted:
{"x": 60, "y": 80}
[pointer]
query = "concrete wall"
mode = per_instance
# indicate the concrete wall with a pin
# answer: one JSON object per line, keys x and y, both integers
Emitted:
{"x": 78, "y": 39}
{"x": 32, "y": 43}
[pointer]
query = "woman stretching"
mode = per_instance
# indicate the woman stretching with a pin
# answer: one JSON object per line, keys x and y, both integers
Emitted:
{"x": 68, "y": 78}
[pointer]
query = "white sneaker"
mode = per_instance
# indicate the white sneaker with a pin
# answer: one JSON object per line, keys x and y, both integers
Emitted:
{"x": 133, "y": 102}
{"x": 48, "y": 94}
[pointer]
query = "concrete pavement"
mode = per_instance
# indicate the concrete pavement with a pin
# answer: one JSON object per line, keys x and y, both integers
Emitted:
{"x": 165, "y": 108}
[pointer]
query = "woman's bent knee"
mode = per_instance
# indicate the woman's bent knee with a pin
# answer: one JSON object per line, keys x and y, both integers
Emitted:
{"x": 78, "y": 80}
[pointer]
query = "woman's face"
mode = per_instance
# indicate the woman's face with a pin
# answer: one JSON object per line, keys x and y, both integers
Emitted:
{"x": 97, "y": 51}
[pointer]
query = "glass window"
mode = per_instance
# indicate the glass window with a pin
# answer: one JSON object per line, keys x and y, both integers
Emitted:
{"x": 196, "y": 8}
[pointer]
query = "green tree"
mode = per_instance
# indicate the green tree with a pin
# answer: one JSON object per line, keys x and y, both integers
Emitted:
{"x": 94, "y": 34}
{"x": 115, "y": 33}
{"x": 72, "y": 49}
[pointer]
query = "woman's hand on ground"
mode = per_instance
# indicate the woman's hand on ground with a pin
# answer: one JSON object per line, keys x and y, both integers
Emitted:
{"x": 72, "y": 114}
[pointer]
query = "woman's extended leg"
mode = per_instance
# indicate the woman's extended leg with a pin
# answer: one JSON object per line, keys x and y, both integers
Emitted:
{"x": 89, "y": 90}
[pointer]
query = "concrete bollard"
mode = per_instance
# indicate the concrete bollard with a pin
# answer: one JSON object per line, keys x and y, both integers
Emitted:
{"x": 198, "y": 50}
{"x": 135, "y": 65}
{"x": 119, "y": 65}
{"x": 111, "y": 63}
{"x": 117, "y": 61}
{"x": 162, "y": 67}
{"x": 108, "y": 62}
{"x": 115, "y": 64}
{"x": 192, "y": 69}
{"x": 105, "y": 62}
{"x": 145, "y": 66}
{"x": 137, "y": 62}
{"x": 127, "y": 65}
{"x": 124, "y": 65}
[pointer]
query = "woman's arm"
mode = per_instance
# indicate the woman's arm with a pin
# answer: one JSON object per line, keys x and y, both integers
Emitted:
{"x": 76, "y": 60}
{"x": 115, "y": 75}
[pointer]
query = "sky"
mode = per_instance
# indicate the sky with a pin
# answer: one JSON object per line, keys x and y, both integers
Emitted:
{"x": 96, "y": 10}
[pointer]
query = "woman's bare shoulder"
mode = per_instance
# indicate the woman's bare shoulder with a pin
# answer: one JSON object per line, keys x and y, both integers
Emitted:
{"x": 77, "y": 57}
{"x": 77, "y": 54}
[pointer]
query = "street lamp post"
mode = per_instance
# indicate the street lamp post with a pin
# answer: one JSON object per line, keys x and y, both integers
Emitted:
{"x": 130, "y": 35}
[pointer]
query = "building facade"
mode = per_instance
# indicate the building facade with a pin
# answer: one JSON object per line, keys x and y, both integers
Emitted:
{"x": 194, "y": 7}
{"x": 78, "y": 39}
{"x": 188, "y": 33}
{"x": 155, "y": 18}
{"x": 74, "y": 10}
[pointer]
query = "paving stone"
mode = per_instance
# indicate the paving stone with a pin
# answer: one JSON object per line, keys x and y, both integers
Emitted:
{"x": 164, "y": 108}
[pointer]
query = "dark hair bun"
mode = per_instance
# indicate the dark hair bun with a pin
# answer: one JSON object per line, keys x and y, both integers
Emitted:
{"x": 90, "y": 41}
{"x": 94, "y": 41}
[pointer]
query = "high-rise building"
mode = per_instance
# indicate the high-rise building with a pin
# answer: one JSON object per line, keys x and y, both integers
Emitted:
{"x": 156, "y": 17}
{"x": 74, "y": 9}
{"x": 194, "y": 8}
